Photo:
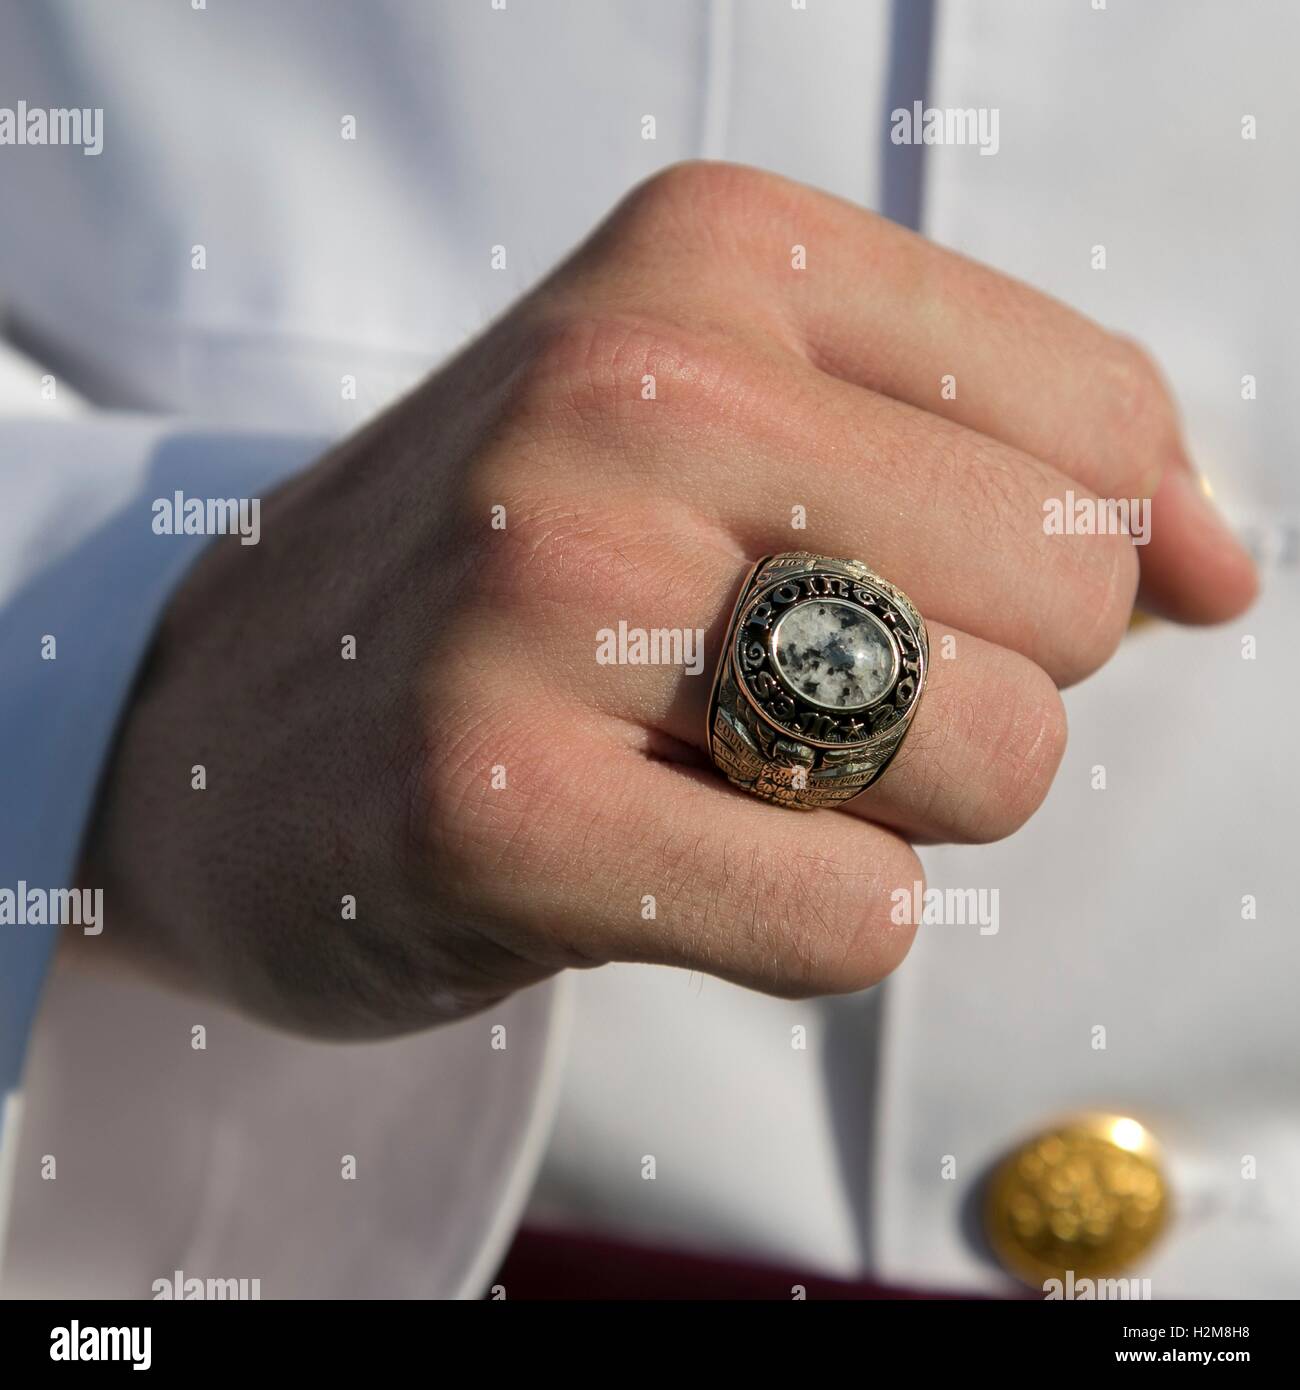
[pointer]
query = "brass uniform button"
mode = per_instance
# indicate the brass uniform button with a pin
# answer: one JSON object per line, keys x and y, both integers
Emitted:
{"x": 1088, "y": 1196}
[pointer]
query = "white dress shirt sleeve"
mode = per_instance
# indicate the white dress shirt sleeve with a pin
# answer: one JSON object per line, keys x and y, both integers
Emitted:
{"x": 83, "y": 579}
{"x": 202, "y": 1146}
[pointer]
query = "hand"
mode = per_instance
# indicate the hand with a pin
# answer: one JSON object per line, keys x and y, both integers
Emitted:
{"x": 774, "y": 388}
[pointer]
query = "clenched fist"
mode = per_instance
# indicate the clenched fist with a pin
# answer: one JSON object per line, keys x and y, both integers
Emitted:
{"x": 618, "y": 449}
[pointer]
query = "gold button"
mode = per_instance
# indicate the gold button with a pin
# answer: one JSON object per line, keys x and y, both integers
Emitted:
{"x": 1088, "y": 1196}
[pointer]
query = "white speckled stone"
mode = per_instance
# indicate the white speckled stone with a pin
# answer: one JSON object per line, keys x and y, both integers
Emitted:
{"x": 833, "y": 654}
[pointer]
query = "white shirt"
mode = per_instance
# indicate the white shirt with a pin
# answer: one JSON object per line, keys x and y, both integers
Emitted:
{"x": 371, "y": 258}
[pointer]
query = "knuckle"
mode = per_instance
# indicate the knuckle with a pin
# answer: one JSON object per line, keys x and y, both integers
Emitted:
{"x": 604, "y": 378}
{"x": 576, "y": 365}
{"x": 805, "y": 923}
{"x": 1137, "y": 389}
{"x": 824, "y": 924}
{"x": 994, "y": 485}
{"x": 1025, "y": 746}
{"x": 998, "y": 738}
{"x": 550, "y": 548}
{"x": 696, "y": 199}
{"x": 564, "y": 558}
{"x": 1108, "y": 583}
{"x": 1139, "y": 416}
{"x": 1092, "y": 578}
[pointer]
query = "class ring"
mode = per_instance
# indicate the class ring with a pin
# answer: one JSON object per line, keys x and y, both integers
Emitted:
{"x": 819, "y": 677}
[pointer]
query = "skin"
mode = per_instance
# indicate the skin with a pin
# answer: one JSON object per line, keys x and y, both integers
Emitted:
{"x": 476, "y": 646}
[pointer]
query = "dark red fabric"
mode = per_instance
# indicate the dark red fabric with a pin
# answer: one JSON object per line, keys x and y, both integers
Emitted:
{"x": 557, "y": 1265}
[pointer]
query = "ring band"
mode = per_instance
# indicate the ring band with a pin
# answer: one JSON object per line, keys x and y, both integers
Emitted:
{"x": 819, "y": 676}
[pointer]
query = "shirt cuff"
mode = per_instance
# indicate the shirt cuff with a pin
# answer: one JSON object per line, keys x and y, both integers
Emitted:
{"x": 83, "y": 579}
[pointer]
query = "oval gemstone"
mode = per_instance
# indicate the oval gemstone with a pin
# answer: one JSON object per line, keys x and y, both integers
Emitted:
{"x": 833, "y": 654}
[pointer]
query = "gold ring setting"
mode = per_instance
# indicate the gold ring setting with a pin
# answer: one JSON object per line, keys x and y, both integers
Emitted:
{"x": 820, "y": 674}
